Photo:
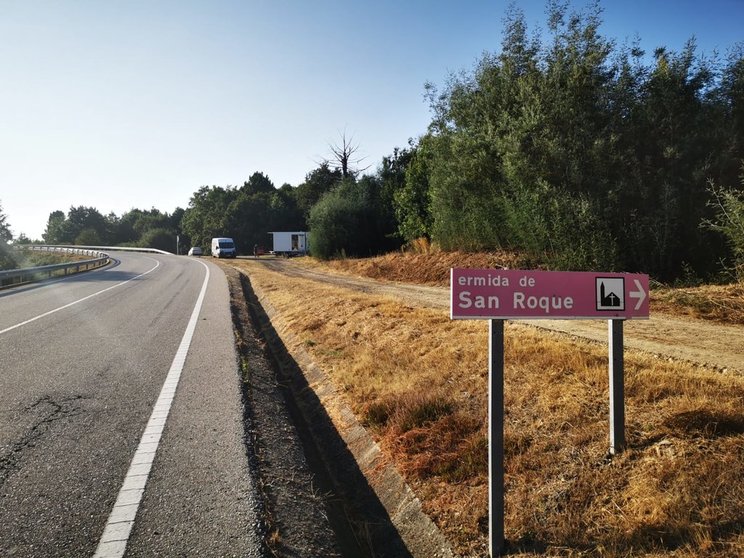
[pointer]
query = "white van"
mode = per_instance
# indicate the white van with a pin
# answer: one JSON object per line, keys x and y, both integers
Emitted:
{"x": 223, "y": 248}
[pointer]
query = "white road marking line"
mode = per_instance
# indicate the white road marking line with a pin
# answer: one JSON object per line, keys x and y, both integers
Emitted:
{"x": 115, "y": 536}
{"x": 45, "y": 314}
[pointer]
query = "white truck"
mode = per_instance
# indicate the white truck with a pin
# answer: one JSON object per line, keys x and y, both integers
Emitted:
{"x": 223, "y": 247}
{"x": 289, "y": 243}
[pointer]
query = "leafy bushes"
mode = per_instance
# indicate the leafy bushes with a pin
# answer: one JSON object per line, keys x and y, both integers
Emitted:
{"x": 7, "y": 261}
{"x": 728, "y": 205}
{"x": 350, "y": 220}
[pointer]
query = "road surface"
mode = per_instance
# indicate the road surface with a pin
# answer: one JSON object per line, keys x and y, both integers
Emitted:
{"x": 83, "y": 362}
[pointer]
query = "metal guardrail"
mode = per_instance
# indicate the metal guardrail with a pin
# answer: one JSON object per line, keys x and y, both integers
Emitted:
{"x": 106, "y": 248}
{"x": 14, "y": 277}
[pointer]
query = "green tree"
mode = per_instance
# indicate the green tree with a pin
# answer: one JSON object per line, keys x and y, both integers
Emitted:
{"x": 23, "y": 240}
{"x": 68, "y": 229}
{"x": 412, "y": 201}
{"x": 317, "y": 182}
{"x": 159, "y": 238}
{"x": 206, "y": 215}
{"x": 577, "y": 152}
{"x": 87, "y": 219}
{"x": 346, "y": 221}
{"x": 7, "y": 261}
{"x": 286, "y": 215}
{"x": 728, "y": 205}
{"x": 258, "y": 183}
{"x": 5, "y": 234}
{"x": 249, "y": 219}
{"x": 88, "y": 237}
{"x": 56, "y": 230}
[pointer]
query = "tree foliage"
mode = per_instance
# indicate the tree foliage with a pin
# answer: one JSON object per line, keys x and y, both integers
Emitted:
{"x": 7, "y": 261}
{"x": 5, "y": 234}
{"x": 578, "y": 152}
{"x": 342, "y": 223}
{"x": 317, "y": 182}
{"x": 247, "y": 214}
{"x": 86, "y": 226}
{"x": 728, "y": 205}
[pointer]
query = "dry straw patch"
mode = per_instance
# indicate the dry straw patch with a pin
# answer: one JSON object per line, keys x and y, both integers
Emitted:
{"x": 418, "y": 380}
{"x": 423, "y": 266}
{"x": 720, "y": 303}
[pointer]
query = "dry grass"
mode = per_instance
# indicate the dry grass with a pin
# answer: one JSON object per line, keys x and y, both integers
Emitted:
{"x": 423, "y": 266}
{"x": 720, "y": 303}
{"x": 418, "y": 380}
{"x": 429, "y": 266}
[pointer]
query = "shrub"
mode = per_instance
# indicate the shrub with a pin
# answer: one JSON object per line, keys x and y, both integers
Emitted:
{"x": 729, "y": 221}
{"x": 343, "y": 222}
{"x": 7, "y": 261}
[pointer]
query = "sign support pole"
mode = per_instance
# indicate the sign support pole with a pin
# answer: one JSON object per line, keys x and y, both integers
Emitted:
{"x": 496, "y": 437}
{"x": 617, "y": 387}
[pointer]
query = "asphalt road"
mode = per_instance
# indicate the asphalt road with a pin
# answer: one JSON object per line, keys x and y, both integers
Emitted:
{"x": 82, "y": 363}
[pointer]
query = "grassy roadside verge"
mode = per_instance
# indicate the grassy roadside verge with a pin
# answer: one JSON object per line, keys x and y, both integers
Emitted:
{"x": 418, "y": 381}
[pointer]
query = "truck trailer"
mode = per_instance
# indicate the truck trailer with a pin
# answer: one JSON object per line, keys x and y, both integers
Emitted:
{"x": 289, "y": 243}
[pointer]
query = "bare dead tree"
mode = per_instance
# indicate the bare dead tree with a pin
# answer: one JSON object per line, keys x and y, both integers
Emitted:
{"x": 344, "y": 157}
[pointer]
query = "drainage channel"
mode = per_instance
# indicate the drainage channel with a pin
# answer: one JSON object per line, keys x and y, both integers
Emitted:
{"x": 309, "y": 510}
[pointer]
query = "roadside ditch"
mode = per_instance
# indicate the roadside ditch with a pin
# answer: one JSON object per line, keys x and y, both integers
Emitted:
{"x": 327, "y": 490}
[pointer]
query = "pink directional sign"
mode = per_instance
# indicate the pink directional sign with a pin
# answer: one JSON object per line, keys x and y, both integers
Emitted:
{"x": 495, "y": 293}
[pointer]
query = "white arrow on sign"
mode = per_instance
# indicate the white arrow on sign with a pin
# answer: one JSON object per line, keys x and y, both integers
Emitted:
{"x": 640, "y": 294}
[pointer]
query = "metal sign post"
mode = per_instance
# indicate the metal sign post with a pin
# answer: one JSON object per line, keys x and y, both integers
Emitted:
{"x": 499, "y": 294}
{"x": 617, "y": 387}
{"x": 496, "y": 437}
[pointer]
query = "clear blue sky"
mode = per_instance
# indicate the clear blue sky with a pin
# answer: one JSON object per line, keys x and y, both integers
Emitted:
{"x": 119, "y": 104}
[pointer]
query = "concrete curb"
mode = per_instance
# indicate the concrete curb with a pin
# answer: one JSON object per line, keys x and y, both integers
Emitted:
{"x": 419, "y": 533}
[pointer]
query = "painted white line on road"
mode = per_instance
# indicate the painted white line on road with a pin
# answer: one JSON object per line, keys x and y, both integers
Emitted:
{"x": 45, "y": 314}
{"x": 115, "y": 536}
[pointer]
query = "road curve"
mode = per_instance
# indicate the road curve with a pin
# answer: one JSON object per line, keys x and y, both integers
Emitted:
{"x": 82, "y": 362}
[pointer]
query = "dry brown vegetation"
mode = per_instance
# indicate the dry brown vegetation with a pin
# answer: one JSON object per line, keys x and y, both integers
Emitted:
{"x": 418, "y": 381}
{"x": 720, "y": 303}
{"x": 429, "y": 266}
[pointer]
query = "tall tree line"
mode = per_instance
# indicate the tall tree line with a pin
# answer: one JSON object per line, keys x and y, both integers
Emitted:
{"x": 580, "y": 152}
{"x": 86, "y": 226}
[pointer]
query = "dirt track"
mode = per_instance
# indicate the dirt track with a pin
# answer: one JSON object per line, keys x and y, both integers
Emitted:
{"x": 700, "y": 342}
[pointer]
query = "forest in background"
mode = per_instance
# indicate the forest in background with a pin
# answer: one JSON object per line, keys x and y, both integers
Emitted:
{"x": 564, "y": 146}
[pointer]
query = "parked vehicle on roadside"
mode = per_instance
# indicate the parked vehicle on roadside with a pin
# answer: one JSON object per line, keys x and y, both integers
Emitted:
{"x": 289, "y": 243}
{"x": 195, "y": 251}
{"x": 223, "y": 247}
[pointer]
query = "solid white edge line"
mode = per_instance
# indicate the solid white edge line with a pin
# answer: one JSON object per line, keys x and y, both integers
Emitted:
{"x": 113, "y": 542}
{"x": 45, "y": 314}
